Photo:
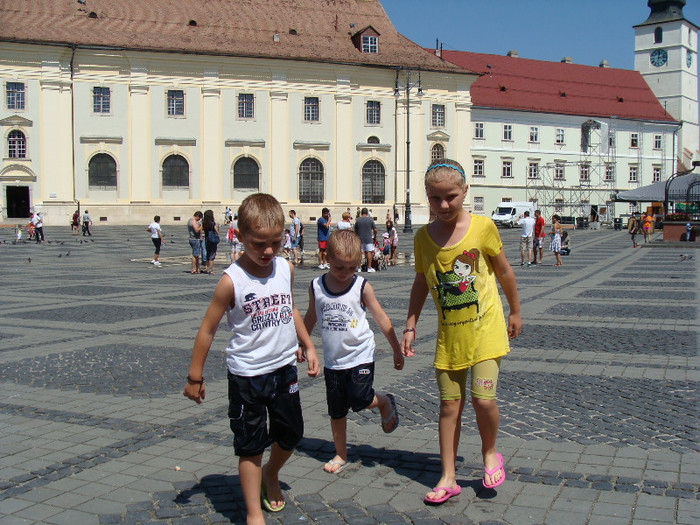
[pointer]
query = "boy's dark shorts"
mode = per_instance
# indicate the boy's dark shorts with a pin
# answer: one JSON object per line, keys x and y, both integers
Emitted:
{"x": 156, "y": 243}
{"x": 252, "y": 399}
{"x": 349, "y": 388}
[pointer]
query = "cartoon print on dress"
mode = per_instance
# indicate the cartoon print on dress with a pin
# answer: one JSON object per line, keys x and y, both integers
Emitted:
{"x": 456, "y": 288}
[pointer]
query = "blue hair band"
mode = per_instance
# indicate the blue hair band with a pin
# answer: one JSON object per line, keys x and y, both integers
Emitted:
{"x": 433, "y": 166}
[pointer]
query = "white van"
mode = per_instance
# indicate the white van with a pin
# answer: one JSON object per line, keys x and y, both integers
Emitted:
{"x": 507, "y": 213}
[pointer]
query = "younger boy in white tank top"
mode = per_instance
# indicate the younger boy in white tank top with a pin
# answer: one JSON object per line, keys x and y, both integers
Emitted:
{"x": 338, "y": 302}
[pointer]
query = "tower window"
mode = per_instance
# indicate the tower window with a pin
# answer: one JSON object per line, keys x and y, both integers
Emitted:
{"x": 658, "y": 35}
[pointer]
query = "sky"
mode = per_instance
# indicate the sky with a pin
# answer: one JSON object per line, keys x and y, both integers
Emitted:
{"x": 588, "y": 31}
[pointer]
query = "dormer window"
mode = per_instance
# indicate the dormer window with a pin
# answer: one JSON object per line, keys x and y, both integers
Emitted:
{"x": 369, "y": 44}
{"x": 366, "y": 40}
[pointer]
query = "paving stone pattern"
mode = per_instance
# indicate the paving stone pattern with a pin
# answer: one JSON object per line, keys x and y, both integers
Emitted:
{"x": 598, "y": 396}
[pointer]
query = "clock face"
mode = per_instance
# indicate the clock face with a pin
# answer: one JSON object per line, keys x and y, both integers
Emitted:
{"x": 659, "y": 57}
{"x": 688, "y": 58}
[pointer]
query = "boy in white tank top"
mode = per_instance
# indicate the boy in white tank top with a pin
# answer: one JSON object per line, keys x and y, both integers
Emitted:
{"x": 255, "y": 293}
{"x": 338, "y": 302}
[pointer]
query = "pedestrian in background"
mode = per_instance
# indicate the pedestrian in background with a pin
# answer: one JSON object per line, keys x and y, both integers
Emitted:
{"x": 194, "y": 231}
{"x": 156, "y": 238}
{"x": 210, "y": 230}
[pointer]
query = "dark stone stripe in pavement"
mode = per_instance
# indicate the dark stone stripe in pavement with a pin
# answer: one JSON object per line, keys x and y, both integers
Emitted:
{"x": 605, "y": 363}
{"x": 621, "y": 311}
{"x": 609, "y": 340}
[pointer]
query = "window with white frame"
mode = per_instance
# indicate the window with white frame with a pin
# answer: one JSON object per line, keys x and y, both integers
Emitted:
{"x": 634, "y": 140}
{"x": 438, "y": 115}
{"x": 611, "y": 139}
{"x": 609, "y": 173}
{"x": 101, "y": 99}
{"x": 374, "y": 112}
{"x": 246, "y": 106}
{"x": 633, "y": 174}
{"x": 16, "y": 145}
{"x": 534, "y": 134}
{"x": 632, "y": 207}
{"x": 533, "y": 169}
{"x": 559, "y": 136}
{"x": 657, "y": 142}
{"x": 478, "y": 168}
{"x": 14, "y": 95}
{"x": 507, "y": 132}
{"x": 584, "y": 173}
{"x": 370, "y": 44}
{"x": 478, "y": 130}
{"x": 478, "y": 205}
{"x": 437, "y": 152}
{"x": 507, "y": 169}
{"x": 559, "y": 205}
{"x": 656, "y": 174}
{"x": 176, "y": 103}
{"x": 311, "y": 109}
{"x": 559, "y": 172}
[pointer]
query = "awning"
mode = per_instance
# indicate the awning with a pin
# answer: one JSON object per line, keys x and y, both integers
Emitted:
{"x": 677, "y": 191}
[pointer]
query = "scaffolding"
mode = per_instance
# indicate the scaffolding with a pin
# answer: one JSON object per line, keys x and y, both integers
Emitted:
{"x": 554, "y": 191}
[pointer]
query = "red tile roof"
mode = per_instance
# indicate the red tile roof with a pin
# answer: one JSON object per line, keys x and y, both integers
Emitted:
{"x": 557, "y": 87}
{"x": 223, "y": 27}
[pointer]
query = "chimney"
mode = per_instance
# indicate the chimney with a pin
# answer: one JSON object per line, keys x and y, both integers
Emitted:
{"x": 604, "y": 64}
{"x": 566, "y": 60}
{"x": 512, "y": 53}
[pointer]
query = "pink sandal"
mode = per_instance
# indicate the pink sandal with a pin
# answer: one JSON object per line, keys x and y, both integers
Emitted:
{"x": 491, "y": 472}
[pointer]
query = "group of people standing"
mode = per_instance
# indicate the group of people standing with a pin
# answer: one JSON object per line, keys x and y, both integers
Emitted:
{"x": 532, "y": 238}
{"x": 635, "y": 225}
{"x": 204, "y": 240}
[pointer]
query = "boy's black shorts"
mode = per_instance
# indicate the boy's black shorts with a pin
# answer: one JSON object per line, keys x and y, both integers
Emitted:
{"x": 252, "y": 399}
{"x": 349, "y": 388}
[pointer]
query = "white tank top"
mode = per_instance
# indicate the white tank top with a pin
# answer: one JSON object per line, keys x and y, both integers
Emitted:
{"x": 346, "y": 336}
{"x": 264, "y": 337}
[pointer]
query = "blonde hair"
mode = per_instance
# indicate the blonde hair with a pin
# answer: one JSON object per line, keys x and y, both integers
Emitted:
{"x": 260, "y": 210}
{"x": 346, "y": 216}
{"x": 344, "y": 243}
{"x": 442, "y": 168}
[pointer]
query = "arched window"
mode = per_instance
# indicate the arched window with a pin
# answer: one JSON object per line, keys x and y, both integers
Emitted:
{"x": 102, "y": 172}
{"x": 373, "y": 182}
{"x": 658, "y": 35}
{"x": 437, "y": 152}
{"x": 16, "y": 145}
{"x": 246, "y": 174}
{"x": 372, "y": 140}
{"x": 176, "y": 172}
{"x": 311, "y": 181}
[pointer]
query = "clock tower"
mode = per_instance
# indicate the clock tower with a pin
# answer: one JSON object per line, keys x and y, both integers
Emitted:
{"x": 665, "y": 53}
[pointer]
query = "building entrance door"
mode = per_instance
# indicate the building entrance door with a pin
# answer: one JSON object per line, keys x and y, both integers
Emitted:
{"x": 17, "y": 199}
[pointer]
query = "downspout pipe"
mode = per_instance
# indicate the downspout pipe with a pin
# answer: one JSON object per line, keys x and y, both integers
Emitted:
{"x": 72, "y": 121}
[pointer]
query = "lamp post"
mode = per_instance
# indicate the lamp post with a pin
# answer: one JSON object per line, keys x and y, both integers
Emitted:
{"x": 407, "y": 224}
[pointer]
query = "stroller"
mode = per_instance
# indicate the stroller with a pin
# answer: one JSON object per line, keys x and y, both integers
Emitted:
{"x": 381, "y": 253}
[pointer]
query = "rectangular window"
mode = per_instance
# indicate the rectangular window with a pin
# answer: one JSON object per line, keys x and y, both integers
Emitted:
{"x": 634, "y": 140}
{"x": 559, "y": 139}
{"x": 438, "y": 116}
{"x": 176, "y": 103}
{"x": 533, "y": 169}
{"x": 534, "y": 134}
{"x": 478, "y": 130}
{"x": 559, "y": 172}
{"x": 478, "y": 168}
{"x": 507, "y": 172}
{"x": 609, "y": 173}
{"x": 374, "y": 112}
{"x": 311, "y": 109}
{"x": 584, "y": 173}
{"x": 633, "y": 173}
{"x": 611, "y": 139}
{"x": 657, "y": 141}
{"x": 15, "y": 95}
{"x": 656, "y": 174}
{"x": 369, "y": 44}
{"x": 507, "y": 132}
{"x": 246, "y": 106}
{"x": 478, "y": 205}
{"x": 558, "y": 205}
{"x": 100, "y": 100}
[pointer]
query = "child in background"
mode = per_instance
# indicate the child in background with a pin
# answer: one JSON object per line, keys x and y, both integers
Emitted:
{"x": 287, "y": 244}
{"x": 19, "y": 233}
{"x": 156, "y": 237}
{"x": 338, "y": 301}
{"x": 255, "y": 293}
{"x": 458, "y": 257}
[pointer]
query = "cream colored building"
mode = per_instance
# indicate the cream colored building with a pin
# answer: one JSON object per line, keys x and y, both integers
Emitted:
{"x": 133, "y": 110}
